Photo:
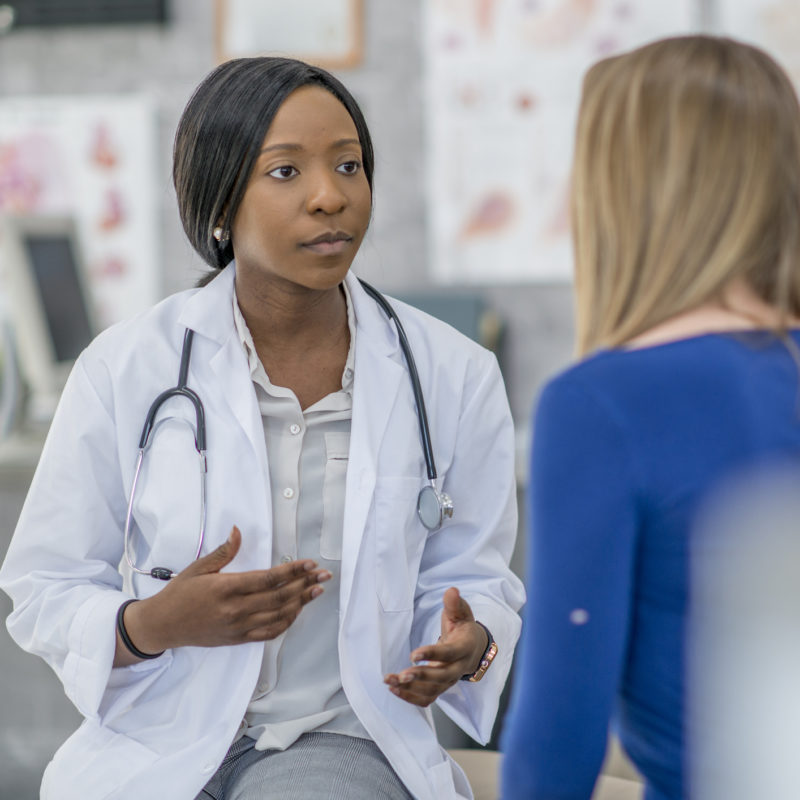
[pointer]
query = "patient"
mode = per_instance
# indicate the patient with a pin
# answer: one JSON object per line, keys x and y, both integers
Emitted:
{"x": 686, "y": 226}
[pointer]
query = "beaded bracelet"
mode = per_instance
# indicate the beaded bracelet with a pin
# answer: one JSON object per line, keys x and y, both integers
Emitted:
{"x": 123, "y": 634}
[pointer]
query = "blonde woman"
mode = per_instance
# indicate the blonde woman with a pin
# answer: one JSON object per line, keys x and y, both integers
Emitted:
{"x": 686, "y": 221}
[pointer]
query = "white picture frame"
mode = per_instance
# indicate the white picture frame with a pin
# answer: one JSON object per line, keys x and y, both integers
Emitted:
{"x": 328, "y": 33}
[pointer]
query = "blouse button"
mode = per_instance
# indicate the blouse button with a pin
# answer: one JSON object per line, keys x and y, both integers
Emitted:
{"x": 288, "y": 493}
{"x": 294, "y": 429}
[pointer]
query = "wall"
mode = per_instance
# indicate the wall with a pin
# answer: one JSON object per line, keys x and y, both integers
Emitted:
{"x": 169, "y": 62}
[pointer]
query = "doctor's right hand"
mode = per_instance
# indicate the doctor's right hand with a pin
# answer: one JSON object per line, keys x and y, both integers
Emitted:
{"x": 204, "y": 607}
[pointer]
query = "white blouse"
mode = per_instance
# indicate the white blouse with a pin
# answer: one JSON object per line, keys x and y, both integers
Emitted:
{"x": 300, "y": 686}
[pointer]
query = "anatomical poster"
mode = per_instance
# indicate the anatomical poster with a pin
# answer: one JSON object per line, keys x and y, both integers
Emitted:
{"x": 503, "y": 81}
{"x": 92, "y": 157}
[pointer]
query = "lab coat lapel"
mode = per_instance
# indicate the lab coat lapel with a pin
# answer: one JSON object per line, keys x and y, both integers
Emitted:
{"x": 379, "y": 370}
{"x": 237, "y": 391}
{"x": 210, "y": 314}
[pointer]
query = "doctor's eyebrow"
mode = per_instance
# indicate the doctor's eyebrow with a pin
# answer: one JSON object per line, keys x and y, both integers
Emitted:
{"x": 296, "y": 147}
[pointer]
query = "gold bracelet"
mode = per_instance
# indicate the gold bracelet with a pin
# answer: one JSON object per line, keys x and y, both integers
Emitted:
{"x": 486, "y": 659}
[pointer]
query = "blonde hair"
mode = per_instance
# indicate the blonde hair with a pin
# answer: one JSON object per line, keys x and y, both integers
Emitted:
{"x": 686, "y": 176}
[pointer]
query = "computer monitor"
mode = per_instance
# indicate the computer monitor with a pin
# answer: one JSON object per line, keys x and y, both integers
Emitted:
{"x": 43, "y": 284}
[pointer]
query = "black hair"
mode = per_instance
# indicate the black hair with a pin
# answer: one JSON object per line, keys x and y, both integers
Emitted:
{"x": 219, "y": 137}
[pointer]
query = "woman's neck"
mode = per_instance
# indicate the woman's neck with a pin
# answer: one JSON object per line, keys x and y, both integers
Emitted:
{"x": 301, "y": 337}
{"x": 292, "y": 318}
{"x": 738, "y": 309}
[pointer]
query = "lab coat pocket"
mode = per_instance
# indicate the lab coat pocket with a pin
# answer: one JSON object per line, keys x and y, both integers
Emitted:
{"x": 399, "y": 541}
{"x": 169, "y": 498}
{"x": 337, "y": 448}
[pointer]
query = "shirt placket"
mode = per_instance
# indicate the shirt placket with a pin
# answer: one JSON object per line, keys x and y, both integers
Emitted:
{"x": 285, "y": 477}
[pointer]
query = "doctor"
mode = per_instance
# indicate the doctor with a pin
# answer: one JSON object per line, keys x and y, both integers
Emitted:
{"x": 249, "y": 598}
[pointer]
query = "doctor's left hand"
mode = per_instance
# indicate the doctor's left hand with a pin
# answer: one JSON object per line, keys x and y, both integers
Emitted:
{"x": 458, "y": 652}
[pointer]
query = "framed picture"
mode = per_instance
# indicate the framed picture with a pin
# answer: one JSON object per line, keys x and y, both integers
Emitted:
{"x": 328, "y": 33}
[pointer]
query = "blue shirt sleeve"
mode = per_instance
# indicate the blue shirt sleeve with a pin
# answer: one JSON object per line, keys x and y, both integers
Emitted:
{"x": 583, "y": 523}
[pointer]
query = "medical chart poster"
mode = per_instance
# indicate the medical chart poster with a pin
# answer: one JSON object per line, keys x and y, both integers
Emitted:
{"x": 92, "y": 157}
{"x": 502, "y": 87}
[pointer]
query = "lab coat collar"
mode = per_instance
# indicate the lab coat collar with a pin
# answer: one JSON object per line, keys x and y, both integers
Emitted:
{"x": 382, "y": 334}
{"x": 379, "y": 371}
{"x": 208, "y": 311}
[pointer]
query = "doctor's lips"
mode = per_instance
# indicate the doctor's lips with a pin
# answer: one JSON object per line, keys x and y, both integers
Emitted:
{"x": 330, "y": 243}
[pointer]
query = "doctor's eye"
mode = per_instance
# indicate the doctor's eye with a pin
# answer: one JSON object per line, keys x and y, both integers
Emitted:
{"x": 349, "y": 167}
{"x": 283, "y": 173}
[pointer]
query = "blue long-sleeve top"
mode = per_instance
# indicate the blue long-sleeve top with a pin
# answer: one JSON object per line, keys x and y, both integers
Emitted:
{"x": 627, "y": 446}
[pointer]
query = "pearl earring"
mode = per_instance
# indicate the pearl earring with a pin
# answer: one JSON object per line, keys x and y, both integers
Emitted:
{"x": 219, "y": 234}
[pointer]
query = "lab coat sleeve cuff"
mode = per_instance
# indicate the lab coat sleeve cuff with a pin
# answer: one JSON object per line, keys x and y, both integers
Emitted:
{"x": 473, "y": 706}
{"x": 92, "y": 644}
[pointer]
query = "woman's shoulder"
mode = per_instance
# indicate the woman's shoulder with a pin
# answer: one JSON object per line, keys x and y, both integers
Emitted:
{"x": 607, "y": 367}
{"x": 140, "y": 329}
{"x": 132, "y": 350}
{"x": 636, "y": 381}
{"x": 440, "y": 341}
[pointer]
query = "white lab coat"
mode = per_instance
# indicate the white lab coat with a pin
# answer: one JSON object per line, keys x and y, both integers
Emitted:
{"x": 160, "y": 728}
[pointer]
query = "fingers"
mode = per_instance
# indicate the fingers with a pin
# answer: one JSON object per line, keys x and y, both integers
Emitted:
{"x": 423, "y": 683}
{"x": 263, "y": 580}
{"x": 444, "y": 674}
{"x": 421, "y": 688}
{"x": 266, "y": 624}
{"x": 455, "y": 607}
{"x": 264, "y": 604}
{"x": 442, "y": 652}
{"x": 234, "y": 617}
{"x": 217, "y": 559}
{"x": 304, "y": 588}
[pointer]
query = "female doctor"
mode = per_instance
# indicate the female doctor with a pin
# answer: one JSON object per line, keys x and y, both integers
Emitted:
{"x": 251, "y": 585}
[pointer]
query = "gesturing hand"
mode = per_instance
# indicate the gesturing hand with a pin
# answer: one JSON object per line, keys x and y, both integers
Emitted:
{"x": 457, "y": 653}
{"x": 204, "y": 607}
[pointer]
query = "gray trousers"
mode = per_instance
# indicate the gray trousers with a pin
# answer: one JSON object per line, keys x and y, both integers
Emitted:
{"x": 317, "y": 765}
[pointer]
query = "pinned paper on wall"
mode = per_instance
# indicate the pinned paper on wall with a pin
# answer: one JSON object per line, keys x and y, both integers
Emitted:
{"x": 94, "y": 158}
{"x": 503, "y": 83}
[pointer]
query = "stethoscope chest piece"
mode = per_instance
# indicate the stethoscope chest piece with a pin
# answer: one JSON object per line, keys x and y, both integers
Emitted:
{"x": 433, "y": 506}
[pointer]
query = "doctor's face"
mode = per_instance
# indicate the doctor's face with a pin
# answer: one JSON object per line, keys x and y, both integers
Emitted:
{"x": 307, "y": 204}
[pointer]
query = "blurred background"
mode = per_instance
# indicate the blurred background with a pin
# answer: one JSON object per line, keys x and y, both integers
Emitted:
{"x": 471, "y": 104}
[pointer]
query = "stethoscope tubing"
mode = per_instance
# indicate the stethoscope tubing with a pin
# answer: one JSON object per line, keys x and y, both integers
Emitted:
{"x": 445, "y": 505}
{"x": 422, "y": 413}
{"x": 148, "y": 429}
{"x": 181, "y": 390}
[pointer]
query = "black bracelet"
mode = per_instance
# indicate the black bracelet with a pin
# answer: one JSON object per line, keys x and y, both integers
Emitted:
{"x": 123, "y": 634}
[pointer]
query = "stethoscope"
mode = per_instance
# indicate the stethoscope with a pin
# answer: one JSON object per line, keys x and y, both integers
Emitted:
{"x": 433, "y": 506}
